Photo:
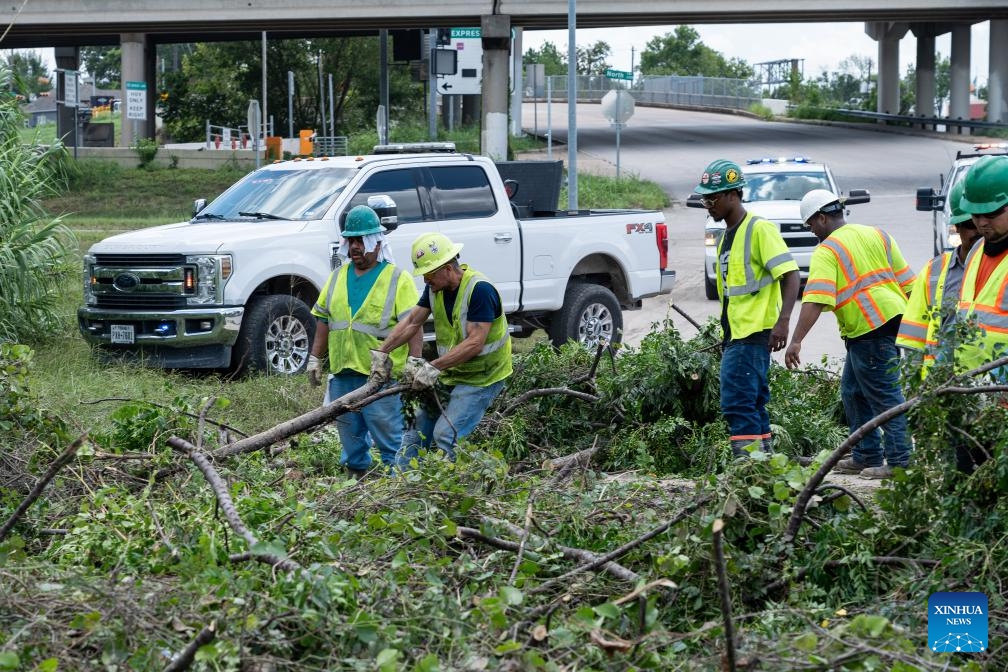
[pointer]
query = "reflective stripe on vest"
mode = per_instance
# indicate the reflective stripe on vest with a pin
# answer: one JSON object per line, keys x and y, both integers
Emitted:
{"x": 752, "y": 285}
{"x": 859, "y": 286}
{"x": 988, "y": 307}
{"x": 380, "y": 331}
{"x": 463, "y": 296}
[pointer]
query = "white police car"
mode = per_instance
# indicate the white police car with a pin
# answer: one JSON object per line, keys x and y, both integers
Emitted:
{"x": 929, "y": 199}
{"x": 774, "y": 189}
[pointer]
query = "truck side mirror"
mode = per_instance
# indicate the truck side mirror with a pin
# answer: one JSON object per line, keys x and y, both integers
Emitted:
{"x": 198, "y": 205}
{"x": 386, "y": 209}
{"x": 511, "y": 188}
{"x": 928, "y": 200}
{"x": 693, "y": 201}
{"x": 857, "y": 196}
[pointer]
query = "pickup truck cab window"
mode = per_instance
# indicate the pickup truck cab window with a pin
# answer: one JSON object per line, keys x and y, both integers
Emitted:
{"x": 401, "y": 185}
{"x": 295, "y": 194}
{"x": 462, "y": 192}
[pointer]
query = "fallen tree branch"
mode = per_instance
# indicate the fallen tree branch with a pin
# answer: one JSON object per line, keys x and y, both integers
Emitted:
{"x": 580, "y": 554}
{"x": 842, "y": 491}
{"x": 186, "y": 657}
{"x": 220, "y": 489}
{"x": 877, "y": 559}
{"x": 724, "y": 593}
{"x": 688, "y": 318}
{"x": 568, "y": 463}
{"x": 546, "y": 391}
{"x": 64, "y": 459}
{"x": 622, "y": 550}
{"x": 523, "y": 540}
{"x": 157, "y": 405}
{"x": 803, "y": 498}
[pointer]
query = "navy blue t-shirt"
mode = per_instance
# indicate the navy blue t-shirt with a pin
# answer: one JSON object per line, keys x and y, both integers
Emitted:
{"x": 484, "y": 303}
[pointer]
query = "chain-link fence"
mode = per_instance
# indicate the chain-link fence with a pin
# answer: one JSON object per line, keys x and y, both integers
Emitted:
{"x": 660, "y": 90}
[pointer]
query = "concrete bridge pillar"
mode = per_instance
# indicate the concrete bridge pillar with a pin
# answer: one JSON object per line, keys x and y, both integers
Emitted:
{"x": 888, "y": 35}
{"x": 517, "y": 85}
{"x": 496, "y": 34}
{"x": 997, "y": 77}
{"x": 137, "y": 66}
{"x": 924, "y": 101}
{"x": 959, "y": 76}
{"x": 67, "y": 58}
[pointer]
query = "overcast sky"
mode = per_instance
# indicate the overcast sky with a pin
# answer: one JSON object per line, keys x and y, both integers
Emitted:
{"x": 821, "y": 45}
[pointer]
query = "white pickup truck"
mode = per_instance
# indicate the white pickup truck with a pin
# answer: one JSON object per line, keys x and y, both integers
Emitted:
{"x": 233, "y": 286}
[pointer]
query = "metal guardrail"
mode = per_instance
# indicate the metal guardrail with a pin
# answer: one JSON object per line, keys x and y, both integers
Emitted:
{"x": 659, "y": 89}
{"x": 330, "y": 145}
{"x": 932, "y": 123}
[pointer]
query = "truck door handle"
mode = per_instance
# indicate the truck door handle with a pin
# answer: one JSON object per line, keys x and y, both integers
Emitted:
{"x": 502, "y": 237}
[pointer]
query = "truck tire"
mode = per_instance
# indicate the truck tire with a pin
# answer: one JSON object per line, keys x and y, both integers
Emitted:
{"x": 590, "y": 313}
{"x": 710, "y": 287}
{"x": 276, "y": 336}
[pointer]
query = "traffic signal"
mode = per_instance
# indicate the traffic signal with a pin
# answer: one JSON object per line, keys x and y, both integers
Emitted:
{"x": 443, "y": 37}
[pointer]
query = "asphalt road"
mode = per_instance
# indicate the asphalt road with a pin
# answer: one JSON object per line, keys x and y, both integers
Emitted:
{"x": 672, "y": 147}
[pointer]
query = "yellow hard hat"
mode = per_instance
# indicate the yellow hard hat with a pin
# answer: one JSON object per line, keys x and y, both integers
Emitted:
{"x": 432, "y": 251}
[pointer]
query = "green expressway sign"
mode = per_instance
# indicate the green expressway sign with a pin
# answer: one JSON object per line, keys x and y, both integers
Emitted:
{"x": 462, "y": 33}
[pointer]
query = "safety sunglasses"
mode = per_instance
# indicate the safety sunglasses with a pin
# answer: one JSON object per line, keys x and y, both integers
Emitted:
{"x": 710, "y": 201}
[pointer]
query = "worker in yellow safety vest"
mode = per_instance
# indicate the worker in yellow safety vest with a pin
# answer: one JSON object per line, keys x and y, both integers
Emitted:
{"x": 934, "y": 298}
{"x": 757, "y": 282}
{"x": 473, "y": 347}
{"x": 356, "y": 310}
{"x": 858, "y": 273}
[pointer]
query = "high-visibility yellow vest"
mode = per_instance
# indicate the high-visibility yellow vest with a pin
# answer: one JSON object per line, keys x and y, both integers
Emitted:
{"x": 351, "y": 337}
{"x": 988, "y": 307}
{"x": 860, "y": 274}
{"x": 758, "y": 256}
{"x": 493, "y": 362}
{"x": 922, "y": 318}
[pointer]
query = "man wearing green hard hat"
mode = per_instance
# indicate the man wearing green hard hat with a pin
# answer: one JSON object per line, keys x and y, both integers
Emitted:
{"x": 757, "y": 283}
{"x": 473, "y": 347}
{"x": 934, "y": 296}
{"x": 358, "y": 307}
{"x": 983, "y": 299}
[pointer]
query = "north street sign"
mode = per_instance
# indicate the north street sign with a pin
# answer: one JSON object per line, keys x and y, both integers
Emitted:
{"x": 619, "y": 74}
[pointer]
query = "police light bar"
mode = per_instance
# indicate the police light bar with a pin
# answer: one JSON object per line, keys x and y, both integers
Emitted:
{"x": 415, "y": 148}
{"x": 991, "y": 145}
{"x": 779, "y": 159}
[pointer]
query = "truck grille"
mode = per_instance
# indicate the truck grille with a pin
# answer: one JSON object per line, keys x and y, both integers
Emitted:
{"x": 128, "y": 260}
{"x": 801, "y": 241}
{"x": 140, "y": 302}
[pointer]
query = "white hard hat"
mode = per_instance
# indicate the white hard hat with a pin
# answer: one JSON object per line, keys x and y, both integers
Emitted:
{"x": 816, "y": 201}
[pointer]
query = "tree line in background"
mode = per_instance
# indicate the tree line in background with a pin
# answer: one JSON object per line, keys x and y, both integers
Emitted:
{"x": 215, "y": 81}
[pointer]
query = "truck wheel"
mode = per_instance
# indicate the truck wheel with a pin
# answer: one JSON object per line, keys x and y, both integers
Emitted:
{"x": 590, "y": 313}
{"x": 710, "y": 287}
{"x": 276, "y": 336}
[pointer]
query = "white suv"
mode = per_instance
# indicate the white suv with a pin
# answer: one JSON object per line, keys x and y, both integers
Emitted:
{"x": 928, "y": 199}
{"x": 774, "y": 189}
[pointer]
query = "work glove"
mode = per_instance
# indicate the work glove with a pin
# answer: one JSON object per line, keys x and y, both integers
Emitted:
{"x": 413, "y": 365}
{"x": 381, "y": 367}
{"x": 424, "y": 376}
{"x": 314, "y": 370}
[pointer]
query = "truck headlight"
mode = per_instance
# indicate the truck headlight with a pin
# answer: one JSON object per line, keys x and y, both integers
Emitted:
{"x": 710, "y": 238}
{"x": 205, "y": 277}
{"x": 89, "y": 281}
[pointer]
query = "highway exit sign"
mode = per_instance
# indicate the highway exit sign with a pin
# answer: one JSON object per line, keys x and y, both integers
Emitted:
{"x": 619, "y": 74}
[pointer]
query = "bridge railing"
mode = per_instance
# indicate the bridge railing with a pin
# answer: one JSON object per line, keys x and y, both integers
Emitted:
{"x": 661, "y": 90}
{"x": 233, "y": 137}
{"x": 939, "y": 124}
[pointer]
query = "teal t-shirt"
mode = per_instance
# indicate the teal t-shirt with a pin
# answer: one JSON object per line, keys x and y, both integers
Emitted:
{"x": 358, "y": 286}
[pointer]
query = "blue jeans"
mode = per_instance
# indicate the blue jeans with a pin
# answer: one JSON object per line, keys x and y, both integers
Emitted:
{"x": 745, "y": 393}
{"x": 381, "y": 419}
{"x": 464, "y": 411}
{"x": 870, "y": 386}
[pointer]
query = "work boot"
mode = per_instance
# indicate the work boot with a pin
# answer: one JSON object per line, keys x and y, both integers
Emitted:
{"x": 849, "y": 465}
{"x": 885, "y": 471}
{"x": 359, "y": 474}
{"x": 766, "y": 444}
{"x": 739, "y": 446}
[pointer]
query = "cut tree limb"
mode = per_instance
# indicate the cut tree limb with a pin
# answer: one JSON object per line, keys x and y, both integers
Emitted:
{"x": 64, "y": 459}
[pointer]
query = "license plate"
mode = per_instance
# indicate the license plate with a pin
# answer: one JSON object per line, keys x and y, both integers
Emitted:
{"x": 122, "y": 333}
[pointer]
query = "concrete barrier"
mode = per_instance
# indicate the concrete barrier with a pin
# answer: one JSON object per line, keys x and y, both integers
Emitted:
{"x": 178, "y": 158}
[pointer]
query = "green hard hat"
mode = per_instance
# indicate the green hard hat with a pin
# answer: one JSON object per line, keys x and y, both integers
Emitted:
{"x": 361, "y": 221}
{"x": 958, "y": 215}
{"x": 986, "y": 185}
{"x": 721, "y": 175}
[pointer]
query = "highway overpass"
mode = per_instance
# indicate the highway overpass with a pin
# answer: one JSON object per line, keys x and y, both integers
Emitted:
{"x": 139, "y": 25}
